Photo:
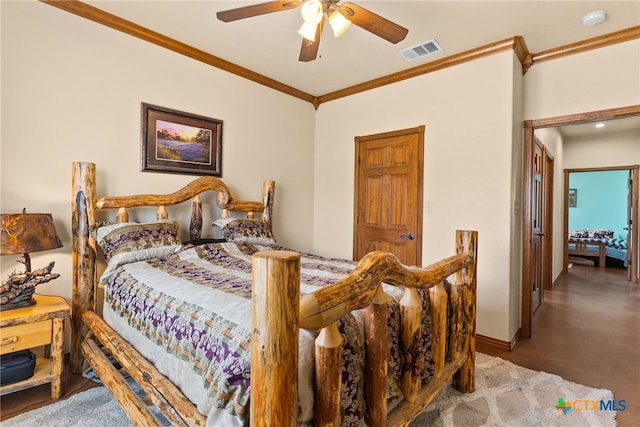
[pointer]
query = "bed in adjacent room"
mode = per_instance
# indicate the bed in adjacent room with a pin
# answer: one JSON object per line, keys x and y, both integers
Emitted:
{"x": 241, "y": 331}
{"x": 598, "y": 244}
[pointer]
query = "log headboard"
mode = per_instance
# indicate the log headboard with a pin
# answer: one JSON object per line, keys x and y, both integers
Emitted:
{"x": 85, "y": 204}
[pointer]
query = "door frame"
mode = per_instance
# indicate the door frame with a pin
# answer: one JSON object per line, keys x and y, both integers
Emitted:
{"x": 529, "y": 128}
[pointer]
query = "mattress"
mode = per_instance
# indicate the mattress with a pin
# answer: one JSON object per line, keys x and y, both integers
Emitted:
{"x": 190, "y": 315}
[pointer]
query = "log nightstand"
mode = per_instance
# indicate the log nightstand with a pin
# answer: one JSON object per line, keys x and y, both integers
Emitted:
{"x": 34, "y": 326}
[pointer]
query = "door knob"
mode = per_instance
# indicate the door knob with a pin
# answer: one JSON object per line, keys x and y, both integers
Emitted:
{"x": 407, "y": 236}
{"x": 539, "y": 234}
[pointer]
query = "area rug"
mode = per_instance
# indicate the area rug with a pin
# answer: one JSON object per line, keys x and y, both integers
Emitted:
{"x": 510, "y": 395}
{"x": 506, "y": 395}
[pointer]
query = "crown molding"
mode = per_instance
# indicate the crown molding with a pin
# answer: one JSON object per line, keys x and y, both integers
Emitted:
{"x": 449, "y": 61}
{"x": 587, "y": 117}
{"x": 616, "y": 37}
{"x": 515, "y": 43}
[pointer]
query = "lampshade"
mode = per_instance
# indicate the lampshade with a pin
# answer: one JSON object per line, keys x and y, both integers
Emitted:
{"x": 27, "y": 232}
{"x": 312, "y": 11}
{"x": 312, "y": 14}
{"x": 308, "y": 31}
{"x": 339, "y": 24}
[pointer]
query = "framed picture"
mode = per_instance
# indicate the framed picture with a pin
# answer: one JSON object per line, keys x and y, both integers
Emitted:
{"x": 573, "y": 197}
{"x": 178, "y": 142}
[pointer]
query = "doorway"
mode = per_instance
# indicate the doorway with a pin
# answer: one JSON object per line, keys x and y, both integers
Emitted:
{"x": 603, "y": 198}
{"x": 388, "y": 194}
{"x": 528, "y": 176}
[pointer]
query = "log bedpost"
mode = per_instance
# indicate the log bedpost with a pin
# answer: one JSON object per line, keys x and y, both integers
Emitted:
{"x": 162, "y": 213}
{"x": 274, "y": 338}
{"x": 268, "y": 193}
{"x": 328, "y": 371}
{"x": 122, "y": 215}
{"x": 83, "y": 260}
{"x": 195, "y": 225}
{"x": 411, "y": 315}
{"x": 438, "y": 310}
{"x": 467, "y": 244}
{"x": 376, "y": 351}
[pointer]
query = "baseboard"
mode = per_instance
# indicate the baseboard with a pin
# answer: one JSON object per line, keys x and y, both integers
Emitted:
{"x": 489, "y": 343}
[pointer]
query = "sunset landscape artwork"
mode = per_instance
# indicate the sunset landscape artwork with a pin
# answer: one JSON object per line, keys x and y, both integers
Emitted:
{"x": 182, "y": 143}
{"x": 179, "y": 142}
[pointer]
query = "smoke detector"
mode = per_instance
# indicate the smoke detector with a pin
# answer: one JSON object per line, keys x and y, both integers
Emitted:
{"x": 594, "y": 18}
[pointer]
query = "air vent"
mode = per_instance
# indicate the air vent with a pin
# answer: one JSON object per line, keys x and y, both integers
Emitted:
{"x": 421, "y": 50}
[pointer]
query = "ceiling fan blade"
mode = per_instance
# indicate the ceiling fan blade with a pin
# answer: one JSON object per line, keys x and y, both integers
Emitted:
{"x": 309, "y": 49}
{"x": 256, "y": 9}
{"x": 373, "y": 23}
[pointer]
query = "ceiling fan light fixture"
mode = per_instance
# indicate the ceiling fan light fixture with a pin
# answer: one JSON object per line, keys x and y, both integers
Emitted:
{"x": 308, "y": 31}
{"x": 339, "y": 24}
{"x": 312, "y": 11}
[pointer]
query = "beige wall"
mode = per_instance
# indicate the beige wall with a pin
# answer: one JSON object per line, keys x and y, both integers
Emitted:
{"x": 71, "y": 90}
{"x": 515, "y": 280}
{"x": 468, "y": 111}
{"x": 595, "y": 80}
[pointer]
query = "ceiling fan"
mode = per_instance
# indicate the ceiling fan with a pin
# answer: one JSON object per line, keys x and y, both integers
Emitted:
{"x": 314, "y": 13}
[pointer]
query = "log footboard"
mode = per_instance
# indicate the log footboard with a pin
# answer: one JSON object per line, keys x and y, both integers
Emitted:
{"x": 278, "y": 312}
{"x": 320, "y": 310}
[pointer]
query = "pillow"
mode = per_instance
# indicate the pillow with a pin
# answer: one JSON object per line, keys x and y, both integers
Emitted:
{"x": 601, "y": 234}
{"x": 246, "y": 231}
{"x": 579, "y": 234}
{"x": 127, "y": 242}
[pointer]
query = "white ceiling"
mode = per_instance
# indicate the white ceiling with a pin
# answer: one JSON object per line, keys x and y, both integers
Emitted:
{"x": 627, "y": 124}
{"x": 269, "y": 44}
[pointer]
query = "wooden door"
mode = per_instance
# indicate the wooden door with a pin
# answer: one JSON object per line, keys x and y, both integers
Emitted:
{"x": 633, "y": 235}
{"x": 388, "y": 194}
{"x": 537, "y": 217}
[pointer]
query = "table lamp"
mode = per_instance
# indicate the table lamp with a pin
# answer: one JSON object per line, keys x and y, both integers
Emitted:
{"x": 20, "y": 234}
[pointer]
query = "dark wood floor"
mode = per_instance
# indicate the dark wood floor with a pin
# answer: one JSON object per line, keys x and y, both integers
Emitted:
{"x": 587, "y": 331}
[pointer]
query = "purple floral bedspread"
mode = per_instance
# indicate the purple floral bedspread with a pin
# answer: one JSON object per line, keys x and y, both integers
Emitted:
{"x": 190, "y": 315}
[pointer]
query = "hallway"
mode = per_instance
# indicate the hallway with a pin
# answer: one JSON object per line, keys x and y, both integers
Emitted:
{"x": 588, "y": 331}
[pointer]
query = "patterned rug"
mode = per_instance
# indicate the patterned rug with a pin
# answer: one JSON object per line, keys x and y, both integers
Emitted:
{"x": 506, "y": 395}
{"x": 510, "y": 395}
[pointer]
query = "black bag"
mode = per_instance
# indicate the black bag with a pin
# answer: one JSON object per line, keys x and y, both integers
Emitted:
{"x": 16, "y": 366}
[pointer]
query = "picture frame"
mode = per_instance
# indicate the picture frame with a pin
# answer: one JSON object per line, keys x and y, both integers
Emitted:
{"x": 178, "y": 142}
{"x": 573, "y": 197}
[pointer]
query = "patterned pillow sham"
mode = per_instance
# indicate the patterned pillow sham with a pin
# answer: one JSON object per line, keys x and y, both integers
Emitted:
{"x": 601, "y": 234}
{"x": 245, "y": 231}
{"x": 592, "y": 233}
{"x": 579, "y": 234}
{"x": 127, "y": 242}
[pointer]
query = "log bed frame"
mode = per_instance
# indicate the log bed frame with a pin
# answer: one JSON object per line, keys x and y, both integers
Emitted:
{"x": 277, "y": 317}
